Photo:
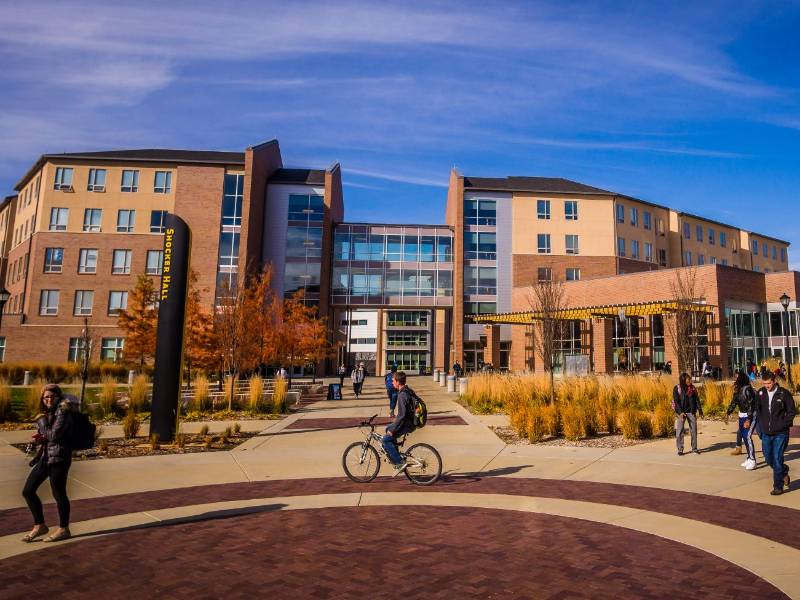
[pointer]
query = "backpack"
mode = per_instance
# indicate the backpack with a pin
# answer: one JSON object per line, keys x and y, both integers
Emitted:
{"x": 83, "y": 431}
{"x": 420, "y": 411}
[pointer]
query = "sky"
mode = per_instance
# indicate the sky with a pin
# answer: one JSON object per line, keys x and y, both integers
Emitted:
{"x": 694, "y": 105}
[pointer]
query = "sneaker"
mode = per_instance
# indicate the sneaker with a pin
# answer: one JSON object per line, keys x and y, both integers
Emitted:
{"x": 776, "y": 492}
{"x": 399, "y": 468}
{"x": 696, "y": 451}
{"x": 750, "y": 464}
{"x": 786, "y": 480}
{"x": 744, "y": 464}
{"x": 680, "y": 452}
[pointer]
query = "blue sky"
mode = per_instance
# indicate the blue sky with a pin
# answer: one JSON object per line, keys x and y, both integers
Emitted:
{"x": 694, "y": 105}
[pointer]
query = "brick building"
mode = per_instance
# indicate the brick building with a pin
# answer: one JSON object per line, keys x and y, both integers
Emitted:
{"x": 82, "y": 226}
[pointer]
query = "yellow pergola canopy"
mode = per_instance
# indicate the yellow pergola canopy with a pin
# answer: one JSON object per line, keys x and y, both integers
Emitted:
{"x": 607, "y": 311}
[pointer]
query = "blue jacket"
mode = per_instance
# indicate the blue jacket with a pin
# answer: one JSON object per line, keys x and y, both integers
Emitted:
{"x": 388, "y": 381}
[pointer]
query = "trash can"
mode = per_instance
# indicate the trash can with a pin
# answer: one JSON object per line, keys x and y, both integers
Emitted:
{"x": 451, "y": 383}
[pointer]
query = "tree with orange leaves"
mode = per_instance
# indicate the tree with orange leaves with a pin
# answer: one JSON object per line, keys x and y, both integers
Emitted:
{"x": 138, "y": 321}
{"x": 303, "y": 336}
{"x": 200, "y": 346}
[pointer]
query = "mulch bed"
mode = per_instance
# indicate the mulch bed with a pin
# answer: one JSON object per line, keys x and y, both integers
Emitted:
{"x": 510, "y": 436}
{"x": 347, "y": 422}
{"x": 122, "y": 448}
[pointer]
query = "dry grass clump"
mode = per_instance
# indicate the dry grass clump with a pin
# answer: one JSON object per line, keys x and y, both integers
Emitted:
{"x": 636, "y": 425}
{"x": 255, "y": 397}
{"x": 138, "y": 392}
{"x": 131, "y": 425}
{"x": 715, "y": 397}
{"x": 663, "y": 420}
{"x": 229, "y": 388}
{"x": 237, "y": 428}
{"x": 108, "y": 396}
{"x": 6, "y": 411}
{"x": 201, "y": 399}
{"x": 204, "y": 430}
{"x": 155, "y": 444}
{"x": 279, "y": 402}
{"x": 33, "y": 396}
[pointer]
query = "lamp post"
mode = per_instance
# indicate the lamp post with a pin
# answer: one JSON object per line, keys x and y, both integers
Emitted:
{"x": 4, "y": 297}
{"x": 785, "y": 304}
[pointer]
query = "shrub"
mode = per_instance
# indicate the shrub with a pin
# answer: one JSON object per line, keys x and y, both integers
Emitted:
{"x": 256, "y": 394}
{"x": 6, "y": 411}
{"x": 572, "y": 421}
{"x": 535, "y": 425}
{"x": 279, "y": 404}
{"x": 636, "y": 425}
{"x": 552, "y": 420}
{"x": 663, "y": 420}
{"x": 108, "y": 396}
{"x": 33, "y": 394}
{"x": 201, "y": 395}
{"x": 131, "y": 424}
{"x": 138, "y": 392}
{"x": 715, "y": 397}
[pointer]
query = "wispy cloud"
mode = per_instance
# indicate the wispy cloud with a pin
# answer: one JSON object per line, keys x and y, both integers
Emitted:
{"x": 399, "y": 177}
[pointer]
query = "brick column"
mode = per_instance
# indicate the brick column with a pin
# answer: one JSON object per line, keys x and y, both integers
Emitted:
{"x": 491, "y": 353}
{"x": 519, "y": 357}
{"x": 669, "y": 346}
{"x": 602, "y": 353}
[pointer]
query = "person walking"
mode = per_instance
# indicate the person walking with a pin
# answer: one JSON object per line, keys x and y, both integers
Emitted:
{"x": 744, "y": 401}
{"x": 457, "y": 370}
{"x": 342, "y": 372}
{"x": 775, "y": 412}
{"x": 391, "y": 390}
{"x": 686, "y": 403}
{"x": 357, "y": 376}
{"x": 52, "y": 461}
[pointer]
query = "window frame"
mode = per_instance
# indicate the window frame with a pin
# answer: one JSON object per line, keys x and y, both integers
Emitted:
{"x": 167, "y": 187}
{"x": 88, "y": 227}
{"x": 92, "y": 185}
{"x": 50, "y": 266}
{"x": 83, "y": 312}
{"x": 543, "y": 209}
{"x": 576, "y": 274}
{"x": 60, "y": 179}
{"x": 571, "y": 214}
{"x": 47, "y": 309}
{"x": 126, "y": 265}
{"x": 55, "y": 225}
{"x": 82, "y": 267}
{"x": 131, "y": 220}
{"x": 160, "y": 268}
{"x": 123, "y": 295}
{"x": 158, "y": 228}
{"x": 575, "y": 249}
{"x": 133, "y": 186}
{"x": 547, "y": 248}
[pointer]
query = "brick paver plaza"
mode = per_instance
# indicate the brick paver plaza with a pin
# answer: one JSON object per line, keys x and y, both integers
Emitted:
{"x": 277, "y": 518}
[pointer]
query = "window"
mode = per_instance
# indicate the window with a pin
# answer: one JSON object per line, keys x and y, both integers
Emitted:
{"x": 698, "y": 230}
{"x": 2, "y": 349}
{"x": 701, "y": 259}
{"x": 765, "y": 249}
{"x": 660, "y": 226}
{"x": 634, "y": 216}
{"x": 634, "y": 248}
{"x": 480, "y": 246}
{"x": 76, "y": 349}
{"x": 724, "y": 262}
{"x": 83, "y": 303}
{"x": 620, "y": 246}
{"x": 712, "y": 236}
{"x": 571, "y": 210}
{"x": 723, "y": 239}
{"x": 130, "y": 180}
{"x": 97, "y": 180}
{"x": 620, "y": 213}
{"x": 126, "y": 219}
{"x": 232, "y": 202}
{"x": 774, "y": 253}
{"x": 58, "y": 219}
{"x": 476, "y": 308}
{"x": 87, "y": 261}
{"x": 783, "y": 254}
{"x": 544, "y": 274}
{"x": 662, "y": 257}
{"x": 647, "y": 221}
{"x": 92, "y": 218}
{"x": 48, "y": 302}
{"x": 571, "y": 242}
{"x": 573, "y": 274}
{"x": 687, "y": 231}
{"x": 712, "y": 260}
{"x": 53, "y": 260}
{"x": 687, "y": 259}
{"x": 480, "y": 280}
{"x": 480, "y": 212}
{"x": 63, "y": 179}
{"x": 648, "y": 252}
{"x": 111, "y": 349}
{"x": 755, "y": 246}
{"x": 155, "y": 261}
{"x": 163, "y": 182}
{"x": 543, "y": 209}
{"x": 122, "y": 262}
{"x": 117, "y": 301}
{"x": 157, "y": 219}
{"x": 543, "y": 243}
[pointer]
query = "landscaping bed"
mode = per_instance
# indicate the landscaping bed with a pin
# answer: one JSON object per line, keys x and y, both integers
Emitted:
{"x": 604, "y": 440}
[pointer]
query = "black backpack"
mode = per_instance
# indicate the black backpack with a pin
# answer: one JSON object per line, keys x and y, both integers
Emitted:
{"x": 83, "y": 431}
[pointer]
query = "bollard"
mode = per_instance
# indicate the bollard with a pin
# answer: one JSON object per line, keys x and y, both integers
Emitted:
{"x": 131, "y": 377}
{"x": 451, "y": 383}
{"x": 26, "y": 378}
{"x": 436, "y": 374}
{"x": 442, "y": 379}
{"x": 462, "y": 386}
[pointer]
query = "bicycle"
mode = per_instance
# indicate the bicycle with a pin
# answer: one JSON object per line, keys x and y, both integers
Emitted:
{"x": 362, "y": 461}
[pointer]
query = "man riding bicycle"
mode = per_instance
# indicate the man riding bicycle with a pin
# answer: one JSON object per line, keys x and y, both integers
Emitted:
{"x": 402, "y": 425}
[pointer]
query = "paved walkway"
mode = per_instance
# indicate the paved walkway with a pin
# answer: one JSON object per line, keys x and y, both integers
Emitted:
{"x": 277, "y": 516}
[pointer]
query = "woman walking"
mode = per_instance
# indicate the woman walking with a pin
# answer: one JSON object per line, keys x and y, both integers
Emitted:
{"x": 744, "y": 401}
{"x": 686, "y": 402}
{"x": 52, "y": 461}
{"x": 357, "y": 376}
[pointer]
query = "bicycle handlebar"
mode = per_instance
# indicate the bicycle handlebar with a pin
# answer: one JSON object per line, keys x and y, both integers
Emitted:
{"x": 372, "y": 418}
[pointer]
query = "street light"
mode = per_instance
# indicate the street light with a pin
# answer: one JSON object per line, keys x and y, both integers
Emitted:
{"x": 785, "y": 304}
{"x": 5, "y": 296}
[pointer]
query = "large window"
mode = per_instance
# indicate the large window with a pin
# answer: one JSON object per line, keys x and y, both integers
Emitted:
{"x": 306, "y": 207}
{"x": 634, "y": 216}
{"x": 648, "y": 252}
{"x": 544, "y": 274}
{"x": 620, "y": 213}
{"x": 63, "y": 180}
{"x": 543, "y": 243}
{"x": 723, "y": 239}
{"x": 444, "y": 249}
{"x": 77, "y": 348}
{"x": 543, "y": 209}
{"x": 475, "y": 308}
{"x": 573, "y": 274}
{"x": 411, "y": 248}
{"x": 304, "y": 246}
{"x": 97, "y": 180}
{"x": 412, "y": 361}
{"x": 754, "y": 245}
{"x": 481, "y": 246}
{"x": 53, "y": 260}
{"x": 620, "y": 246}
{"x": 712, "y": 236}
{"x": 92, "y": 219}
{"x": 111, "y": 349}
{"x": 122, "y": 262}
{"x": 634, "y": 248}
{"x": 48, "y": 303}
{"x": 162, "y": 183}
{"x": 687, "y": 231}
{"x": 407, "y": 338}
{"x": 687, "y": 259}
{"x": 84, "y": 299}
{"x": 126, "y": 220}
{"x": 87, "y": 261}
{"x": 480, "y": 212}
{"x": 662, "y": 257}
{"x": 155, "y": 261}
{"x": 480, "y": 280}
{"x": 232, "y": 200}
{"x": 698, "y": 233}
{"x": 58, "y": 219}
{"x": 2, "y": 349}
{"x": 407, "y": 318}
{"x": 571, "y": 243}
{"x": 571, "y": 210}
{"x": 157, "y": 219}
{"x": 130, "y": 180}
{"x": 647, "y": 220}
{"x": 117, "y": 301}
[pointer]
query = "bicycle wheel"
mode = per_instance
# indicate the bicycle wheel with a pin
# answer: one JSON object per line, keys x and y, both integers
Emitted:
{"x": 430, "y": 468}
{"x": 361, "y": 462}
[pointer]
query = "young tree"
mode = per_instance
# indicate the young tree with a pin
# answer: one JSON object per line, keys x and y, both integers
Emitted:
{"x": 546, "y": 299}
{"x": 138, "y": 322}
{"x": 303, "y": 336}
{"x": 685, "y": 325}
{"x": 200, "y": 347}
{"x": 85, "y": 345}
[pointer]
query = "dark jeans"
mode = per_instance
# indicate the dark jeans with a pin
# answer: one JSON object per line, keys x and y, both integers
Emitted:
{"x": 57, "y": 474}
{"x": 341, "y": 380}
{"x": 390, "y": 446}
{"x": 357, "y": 387}
{"x": 773, "y": 447}
{"x": 392, "y": 399}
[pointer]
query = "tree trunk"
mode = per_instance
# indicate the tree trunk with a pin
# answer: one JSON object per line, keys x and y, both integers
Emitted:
{"x": 234, "y": 378}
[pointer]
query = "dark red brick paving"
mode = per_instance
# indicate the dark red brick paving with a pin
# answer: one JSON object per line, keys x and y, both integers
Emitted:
{"x": 770, "y": 521}
{"x": 345, "y": 422}
{"x": 362, "y": 553}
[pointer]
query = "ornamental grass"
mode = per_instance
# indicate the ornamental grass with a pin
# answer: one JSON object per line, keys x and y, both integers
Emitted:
{"x": 6, "y": 410}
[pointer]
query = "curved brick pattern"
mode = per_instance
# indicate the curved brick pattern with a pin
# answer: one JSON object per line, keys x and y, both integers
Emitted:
{"x": 347, "y": 422}
{"x": 725, "y": 512}
{"x": 356, "y": 552}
